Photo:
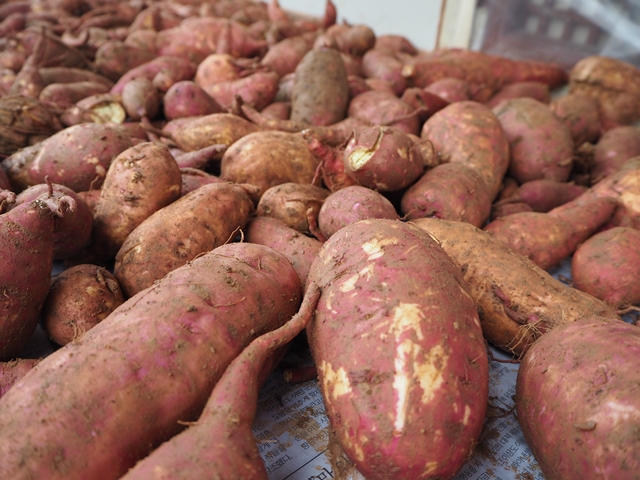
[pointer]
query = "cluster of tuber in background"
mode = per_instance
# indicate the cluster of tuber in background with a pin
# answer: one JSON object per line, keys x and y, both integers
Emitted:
{"x": 218, "y": 177}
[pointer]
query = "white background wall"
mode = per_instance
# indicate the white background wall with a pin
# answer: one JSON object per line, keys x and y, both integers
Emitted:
{"x": 415, "y": 19}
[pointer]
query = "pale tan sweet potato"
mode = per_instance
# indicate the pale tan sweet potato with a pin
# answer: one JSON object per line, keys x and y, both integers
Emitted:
{"x": 194, "y": 133}
{"x": 292, "y": 203}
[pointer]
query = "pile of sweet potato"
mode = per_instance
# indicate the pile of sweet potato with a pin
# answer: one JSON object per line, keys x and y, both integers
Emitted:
{"x": 217, "y": 177}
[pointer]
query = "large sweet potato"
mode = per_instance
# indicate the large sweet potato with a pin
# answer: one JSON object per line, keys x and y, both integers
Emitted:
{"x": 159, "y": 356}
{"x": 397, "y": 365}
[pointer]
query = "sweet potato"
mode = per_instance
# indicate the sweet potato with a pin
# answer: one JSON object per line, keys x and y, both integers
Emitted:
{"x": 396, "y": 43}
{"x": 51, "y": 75}
{"x": 450, "y": 89}
{"x": 78, "y": 299}
{"x": 174, "y": 235}
{"x": 382, "y": 158}
{"x": 257, "y": 89}
{"x": 423, "y": 101}
{"x": 544, "y": 195}
{"x": 292, "y": 203}
{"x": 353, "y": 39}
{"x": 615, "y": 147}
{"x": 331, "y": 165}
{"x": 187, "y": 99}
{"x": 384, "y": 108}
{"x": 351, "y": 204}
{"x": 140, "y": 181}
{"x": 266, "y": 159}
{"x": 577, "y": 386}
{"x": 75, "y": 157}
{"x": 299, "y": 249}
{"x": 213, "y": 445}
{"x": 204, "y": 159}
{"x": 393, "y": 393}
{"x": 541, "y": 144}
{"x": 451, "y": 191}
{"x": 517, "y": 301}
{"x": 606, "y": 266}
{"x": 99, "y": 108}
{"x": 115, "y": 58}
{"x": 161, "y": 353}
{"x": 536, "y": 90}
{"x": 26, "y": 236}
{"x": 194, "y": 133}
{"x": 469, "y": 133}
{"x": 580, "y": 114}
{"x": 163, "y": 71}
{"x": 63, "y": 95}
{"x": 140, "y": 99}
{"x": 284, "y": 56}
{"x": 384, "y": 64}
{"x": 547, "y": 238}
{"x": 72, "y": 232}
{"x": 320, "y": 94}
{"x": 14, "y": 370}
{"x": 193, "y": 178}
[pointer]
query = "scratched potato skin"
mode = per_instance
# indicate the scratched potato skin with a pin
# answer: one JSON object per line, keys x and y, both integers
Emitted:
{"x": 402, "y": 365}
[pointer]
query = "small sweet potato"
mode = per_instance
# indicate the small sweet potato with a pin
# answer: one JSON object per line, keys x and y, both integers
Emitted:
{"x": 187, "y": 99}
{"x": 351, "y": 204}
{"x": 115, "y": 58}
{"x": 450, "y": 89}
{"x": 606, "y": 266}
{"x": 140, "y": 99}
{"x": 78, "y": 299}
{"x": 193, "y": 178}
{"x": 257, "y": 89}
{"x": 63, "y": 95}
{"x": 174, "y": 235}
{"x": 266, "y": 159}
{"x": 194, "y": 133}
{"x": 162, "y": 71}
{"x": 99, "y": 108}
{"x": 331, "y": 165}
{"x": 581, "y": 115}
{"x": 536, "y": 90}
{"x": 615, "y": 147}
{"x": 384, "y": 108}
{"x": 284, "y": 56}
{"x": 384, "y": 64}
{"x": 292, "y": 203}
{"x": 544, "y": 195}
{"x": 320, "y": 94}
{"x": 578, "y": 384}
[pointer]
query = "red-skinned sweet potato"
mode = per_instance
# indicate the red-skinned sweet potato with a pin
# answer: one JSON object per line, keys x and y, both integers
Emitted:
{"x": 14, "y": 370}
{"x": 193, "y": 178}
{"x": 536, "y": 90}
{"x": 257, "y": 89}
{"x": 384, "y": 108}
{"x": 163, "y": 71}
{"x": 140, "y": 98}
{"x": 187, "y": 99}
{"x": 450, "y": 89}
{"x": 63, "y": 95}
{"x": 99, "y": 108}
{"x": 581, "y": 115}
{"x": 398, "y": 383}
{"x": 385, "y": 65}
{"x": 331, "y": 164}
{"x": 284, "y": 56}
{"x": 613, "y": 149}
{"x": 115, "y": 58}
{"x": 577, "y": 384}
{"x": 606, "y": 266}
{"x": 193, "y": 323}
{"x": 544, "y": 195}
{"x": 292, "y": 203}
{"x": 195, "y": 133}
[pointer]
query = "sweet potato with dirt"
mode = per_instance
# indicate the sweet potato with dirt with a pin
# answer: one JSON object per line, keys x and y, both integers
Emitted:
{"x": 451, "y": 191}
{"x": 578, "y": 384}
{"x": 14, "y": 370}
{"x": 26, "y": 236}
{"x": 79, "y": 298}
{"x": 544, "y": 195}
{"x": 51, "y": 75}
{"x": 217, "y": 128}
{"x": 299, "y": 249}
{"x": 284, "y": 56}
{"x": 161, "y": 354}
{"x": 541, "y": 144}
{"x": 548, "y": 238}
{"x": 320, "y": 94}
{"x": 385, "y": 65}
{"x": 99, "y": 108}
{"x": 172, "y": 236}
{"x": 331, "y": 166}
{"x": 352, "y": 39}
{"x": 72, "y": 232}
{"x": 536, "y": 90}
{"x": 187, "y": 99}
{"x": 606, "y": 266}
{"x": 423, "y": 101}
{"x": 351, "y": 204}
{"x": 115, "y": 58}
{"x": 613, "y": 83}
{"x": 75, "y": 157}
{"x": 292, "y": 203}
{"x": 266, "y": 159}
{"x": 140, "y": 98}
{"x": 470, "y": 133}
{"x": 193, "y": 178}
{"x": 206, "y": 158}
{"x": 450, "y": 89}
{"x": 257, "y": 89}
{"x": 384, "y": 108}
{"x": 392, "y": 393}
{"x": 613, "y": 149}
{"x": 63, "y": 95}
{"x": 581, "y": 114}
{"x": 382, "y": 158}
{"x": 517, "y": 301}
{"x": 163, "y": 71}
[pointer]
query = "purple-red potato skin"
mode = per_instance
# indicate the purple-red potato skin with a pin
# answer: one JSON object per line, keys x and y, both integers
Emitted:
{"x": 174, "y": 235}
{"x": 332, "y": 167}
{"x": 450, "y": 89}
{"x": 615, "y": 147}
{"x": 72, "y": 232}
{"x": 115, "y": 58}
{"x": 193, "y": 178}
{"x": 624, "y": 187}
{"x": 299, "y": 249}
{"x": 163, "y": 71}
{"x": 140, "y": 181}
{"x": 63, "y": 95}
{"x": 536, "y": 90}
{"x": 292, "y": 203}
{"x": 352, "y": 204}
{"x": 396, "y": 43}
{"x": 187, "y": 99}
{"x": 26, "y": 236}
{"x": 517, "y": 301}
{"x": 99, "y": 108}
{"x": 383, "y": 64}
{"x": 382, "y": 158}
{"x": 541, "y": 144}
{"x": 192, "y": 323}
{"x": 613, "y": 83}
{"x": 4, "y": 180}
{"x": 547, "y": 238}
{"x": 426, "y": 103}
{"x": 77, "y": 157}
{"x": 284, "y": 56}
{"x": 14, "y": 370}
{"x": 451, "y": 191}
{"x": 545, "y": 195}
{"x": 140, "y": 99}
{"x": 320, "y": 94}
{"x": 606, "y": 266}
{"x": 214, "y": 445}
{"x": 384, "y": 108}
{"x": 499, "y": 210}
{"x": 201, "y": 159}
{"x": 258, "y": 89}
{"x": 387, "y": 404}
{"x": 581, "y": 115}
{"x": 277, "y": 111}
{"x": 266, "y": 159}
{"x": 469, "y": 133}
{"x": 577, "y": 400}
{"x": 216, "y": 128}
{"x": 79, "y": 298}
{"x": 71, "y": 75}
